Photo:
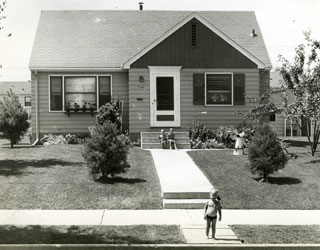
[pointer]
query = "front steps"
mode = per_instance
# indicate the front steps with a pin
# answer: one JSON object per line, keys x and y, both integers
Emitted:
{"x": 150, "y": 140}
{"x": 184, "y": 200}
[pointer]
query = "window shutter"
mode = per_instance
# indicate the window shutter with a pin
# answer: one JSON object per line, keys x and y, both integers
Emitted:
{"x": 239, "y": 89}
{"x": 198, "y": 89}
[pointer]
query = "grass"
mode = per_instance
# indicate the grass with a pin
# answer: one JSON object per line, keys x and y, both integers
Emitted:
{"x": 294, "y": 187}
{"x": 276, "y": 234}
{"x": 55, "y": 177}
{"x": 136, "y": 234}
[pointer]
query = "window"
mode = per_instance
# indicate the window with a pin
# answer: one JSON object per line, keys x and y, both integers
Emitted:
{"x": 27, "y": 101}
{"x": 77, "y": 92}
{"x": 56, "y": 93}
{"x": 104, "y": 90}
{"x": 80, "y": 91}
{"x": 272, "y": 117}
{"x": 219, "y": 89}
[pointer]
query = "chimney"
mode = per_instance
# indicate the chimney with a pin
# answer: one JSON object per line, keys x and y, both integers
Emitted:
{"x": 141, "y": 5}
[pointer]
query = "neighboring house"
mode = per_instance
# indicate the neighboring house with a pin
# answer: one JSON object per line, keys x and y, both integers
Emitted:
{"x": 168, "y": 67}
{"x": 22, "y": 90}
{"x": 283, "y": 127}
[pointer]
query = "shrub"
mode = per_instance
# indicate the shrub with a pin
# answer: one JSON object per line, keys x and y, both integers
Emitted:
{"x": 266, "y": 155}
{"x": 199, "y": 134}
{"x": 106, "y": 151}
{"x": 13, "y": 118}
{"x": 110, "y": 112}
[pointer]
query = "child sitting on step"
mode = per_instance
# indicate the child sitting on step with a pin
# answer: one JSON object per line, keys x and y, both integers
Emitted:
{"x": 211, "y": 209}
{"x": 171, "y": 140}
{"x": 163, "y": 139}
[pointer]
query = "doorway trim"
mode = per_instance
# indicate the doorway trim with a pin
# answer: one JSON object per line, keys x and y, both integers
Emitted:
{"x": 164, "y": 71}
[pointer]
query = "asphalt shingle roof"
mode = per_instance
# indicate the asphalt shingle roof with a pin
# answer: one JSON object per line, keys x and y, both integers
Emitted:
{"x": 107, "y": 39}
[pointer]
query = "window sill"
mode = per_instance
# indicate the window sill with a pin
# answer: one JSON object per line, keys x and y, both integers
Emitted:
{"x": 80, "y": 111}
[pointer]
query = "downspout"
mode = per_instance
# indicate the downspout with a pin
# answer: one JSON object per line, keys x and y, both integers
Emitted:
{"x": 37, "y": 107}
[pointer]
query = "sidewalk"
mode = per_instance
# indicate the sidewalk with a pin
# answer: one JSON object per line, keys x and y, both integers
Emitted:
{"x": 160, "y": 217}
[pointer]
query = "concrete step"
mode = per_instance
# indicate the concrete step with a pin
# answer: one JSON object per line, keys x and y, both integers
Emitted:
{"x": 158, "y": 146}
{"x": 184, "y": 203}
{"x": 186, "y": 195}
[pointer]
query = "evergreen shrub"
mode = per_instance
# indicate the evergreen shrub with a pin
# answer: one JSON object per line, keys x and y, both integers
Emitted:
{"x": 13, "y": 118}
{"x": 106, "y": 151}
{"x": 266, "y": 155}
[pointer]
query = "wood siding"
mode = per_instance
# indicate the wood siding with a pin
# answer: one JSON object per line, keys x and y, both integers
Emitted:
{"x": 215, "y": 116}
{"x": 211, "y": 51}
{"x": 59, "y": 122}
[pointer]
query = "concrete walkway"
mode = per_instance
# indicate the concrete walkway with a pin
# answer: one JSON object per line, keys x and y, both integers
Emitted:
{"x": 178, "y": 173}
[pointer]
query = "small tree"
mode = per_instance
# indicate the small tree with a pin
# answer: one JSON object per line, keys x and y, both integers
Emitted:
{"x": 302, "y": 78}
{"x": 13, "y": 118}
{"x": 106, "y": 151}
{"x": 266, "y": 155}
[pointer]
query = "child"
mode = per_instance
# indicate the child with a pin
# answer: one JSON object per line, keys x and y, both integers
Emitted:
{"x": 239, "y": 146}
{"x": 212, "y": 207}
{"x": 163, "y": 139}
{"x": 171, "y": 139}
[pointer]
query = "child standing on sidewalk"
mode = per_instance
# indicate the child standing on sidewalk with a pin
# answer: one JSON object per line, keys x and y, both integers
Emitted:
{"x": 211, "y": 209}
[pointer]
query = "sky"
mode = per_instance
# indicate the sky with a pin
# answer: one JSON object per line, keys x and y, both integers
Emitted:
{"x": 282, "y": 23}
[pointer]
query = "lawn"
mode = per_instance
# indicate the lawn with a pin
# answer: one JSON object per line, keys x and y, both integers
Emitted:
{"x": 136, "y": 234}
{"x": 276, "y": 234}
{"x": 296, "y": 186}
{"x": 55, "y": 177}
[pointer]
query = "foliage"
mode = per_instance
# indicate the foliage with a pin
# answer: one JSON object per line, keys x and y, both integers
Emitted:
{"x": 106, "y": 151}
{"x": 51, "y": 139}
{"x": 301, "y": 78}
{"x": 199, "y": 134}
{"x": 202, "y": 137}
{"x": 110, "y": 112}
{"x": 266, "y": 155}
{"x": 2, "y": 17}
{"x": 13, "y": 118}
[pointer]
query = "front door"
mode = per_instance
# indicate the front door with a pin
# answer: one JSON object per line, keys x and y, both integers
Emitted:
{"x": 165, "y": 96}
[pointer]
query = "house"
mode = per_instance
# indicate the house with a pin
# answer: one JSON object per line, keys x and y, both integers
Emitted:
{"x": 21, "y": 89}
{"x": 167, "y": 67}
{"x": 280, "y": 125}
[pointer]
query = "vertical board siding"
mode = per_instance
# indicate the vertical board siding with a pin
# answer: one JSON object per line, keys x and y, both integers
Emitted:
{"x": 139, "y": 111}
{"x": 211, "y": 51}
{"x": 59, "y": 122}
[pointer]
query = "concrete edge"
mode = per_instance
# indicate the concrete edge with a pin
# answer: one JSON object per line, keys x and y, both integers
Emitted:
{"x": 159, "y": 246}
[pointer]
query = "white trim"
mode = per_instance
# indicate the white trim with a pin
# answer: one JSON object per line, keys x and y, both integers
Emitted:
{"x": 205, "y": 89}
{"x": 63, "y": 88}
{"x": 246, "y": 53}
{"x": 78, "y": 69}
{"x": 169, "y": 71}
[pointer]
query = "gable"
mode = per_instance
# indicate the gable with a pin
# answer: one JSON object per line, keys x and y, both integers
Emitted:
{"x": 208, "y": 51}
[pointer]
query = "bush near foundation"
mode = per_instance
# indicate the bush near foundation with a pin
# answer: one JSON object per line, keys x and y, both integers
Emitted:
{"x": 266, "y": 155}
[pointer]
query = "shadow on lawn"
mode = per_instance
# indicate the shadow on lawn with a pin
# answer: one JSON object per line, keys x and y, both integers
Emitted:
{"x": 313, "y": 162}
{"x": 119, "y": 179}
{"x": 282, "y": 180}
{"x": 49, "y": 235}
{"x": 17, "y": 167}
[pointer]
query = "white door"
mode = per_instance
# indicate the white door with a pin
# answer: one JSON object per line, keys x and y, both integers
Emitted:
{"x": 165, "y": 96}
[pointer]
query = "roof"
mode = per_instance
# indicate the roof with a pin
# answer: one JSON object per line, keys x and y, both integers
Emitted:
{"x": 19, "y": 88}
{"x": 108, "y": 39}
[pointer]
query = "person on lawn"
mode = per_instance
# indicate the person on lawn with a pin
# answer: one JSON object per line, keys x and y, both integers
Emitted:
{"x": 211, "y": 209}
